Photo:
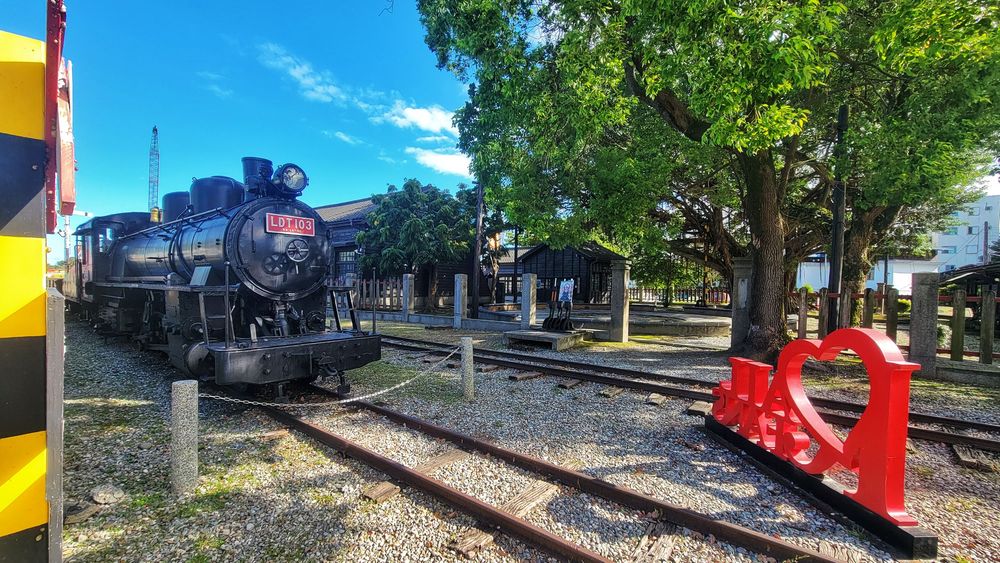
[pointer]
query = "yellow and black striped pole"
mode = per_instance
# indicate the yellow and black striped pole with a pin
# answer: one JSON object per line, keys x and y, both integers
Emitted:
{"x": 25, "y": 494}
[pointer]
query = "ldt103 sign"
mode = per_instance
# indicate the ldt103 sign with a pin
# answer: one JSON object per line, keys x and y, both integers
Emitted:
{"x": 779, "y": 417}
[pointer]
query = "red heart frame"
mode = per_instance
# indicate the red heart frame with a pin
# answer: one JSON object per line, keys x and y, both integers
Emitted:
{"x": 774, "y": 415}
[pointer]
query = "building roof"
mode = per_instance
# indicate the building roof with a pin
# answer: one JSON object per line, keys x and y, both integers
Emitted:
{"x": 508, "y": 255}
{"x": 347, "y": 211}
{"x": 590, "y": 249}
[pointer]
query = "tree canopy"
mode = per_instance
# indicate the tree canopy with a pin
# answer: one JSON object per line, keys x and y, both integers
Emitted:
{"x": 704, "y": 127}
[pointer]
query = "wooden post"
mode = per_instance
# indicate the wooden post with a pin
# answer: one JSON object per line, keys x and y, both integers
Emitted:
{"x": 803, "y": 313}
{"x": 824, "y": 312}
{"x": 957, "y": 324}
{"x": 892, "y": 313}
{"x": 987, "y": 318}
{"x": 868, "y": 313}
{"x": 846, "y": 308}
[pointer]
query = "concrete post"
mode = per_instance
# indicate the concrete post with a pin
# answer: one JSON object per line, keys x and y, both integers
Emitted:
{"x": 409, "y": 297}
{"x": 461, "y": 299}
{"x": 881, "y": 290}
{"x": 742, "y": 272}
{"x": 619, "y": 301}
{"x": 923, "y": 321}
{"x": 468, "y": 371}
{"x": 184, "y": 436}
{"x": 528, "y": 307}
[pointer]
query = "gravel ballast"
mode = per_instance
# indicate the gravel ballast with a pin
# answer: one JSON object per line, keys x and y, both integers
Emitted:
{"x": 265, "y": 495}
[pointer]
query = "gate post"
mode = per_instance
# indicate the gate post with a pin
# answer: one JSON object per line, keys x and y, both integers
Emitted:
{"x": 742, "y": 273}
{"x": 461, "y": 299}
{"x": 619, "y": 301}
{"x": 408, "y": 297}
{"x": 528, "y": 307}
{"x": 923, "y": 322}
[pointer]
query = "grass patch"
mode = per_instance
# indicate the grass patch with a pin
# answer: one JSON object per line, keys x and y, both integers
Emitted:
{"x": 150, "y": 500}
{"x": 432, "y": 387}
{"x": 322, "y": 496}
{"x": 206, "y": 502}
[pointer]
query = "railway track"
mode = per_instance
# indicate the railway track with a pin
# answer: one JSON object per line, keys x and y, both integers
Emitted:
{"x": 641, "y": 381}
{"x": 494, "y": 517}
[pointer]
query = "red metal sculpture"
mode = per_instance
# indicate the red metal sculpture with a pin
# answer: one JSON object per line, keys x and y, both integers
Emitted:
{"x": 779, "y": 417}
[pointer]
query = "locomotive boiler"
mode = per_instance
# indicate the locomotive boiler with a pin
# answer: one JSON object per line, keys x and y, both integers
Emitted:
{"x": 234, "y": 284}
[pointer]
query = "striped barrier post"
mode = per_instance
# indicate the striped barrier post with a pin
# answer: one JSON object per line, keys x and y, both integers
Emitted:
{"x": 30, "y": 433}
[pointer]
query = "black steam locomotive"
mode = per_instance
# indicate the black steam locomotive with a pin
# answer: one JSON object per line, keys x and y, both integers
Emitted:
{"x": 234, "y": 284}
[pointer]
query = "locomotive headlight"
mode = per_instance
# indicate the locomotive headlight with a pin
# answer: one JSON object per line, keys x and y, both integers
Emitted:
{"x": 290, "y": 177}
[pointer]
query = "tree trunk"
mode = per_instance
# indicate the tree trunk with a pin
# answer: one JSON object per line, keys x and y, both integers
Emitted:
{"x": 858, "y": 241}
{"x": 768, "y": 332}
{"x": 432, "y": 288}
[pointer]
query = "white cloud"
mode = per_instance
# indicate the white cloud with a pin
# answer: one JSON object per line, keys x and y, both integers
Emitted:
{"x": 340, "y": 135}
{"x": 433, "y": 119}
{"x": 435, "y": 139}
{"x": 442, "y": 160}
{"x": 313, "y": 85}
{"x": 219, "y": 91}
{"x": 211, "y": 81}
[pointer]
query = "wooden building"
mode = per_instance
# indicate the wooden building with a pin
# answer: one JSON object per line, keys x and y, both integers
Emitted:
{"x": 345, "y": 220}
{"x": 588, "y": 264}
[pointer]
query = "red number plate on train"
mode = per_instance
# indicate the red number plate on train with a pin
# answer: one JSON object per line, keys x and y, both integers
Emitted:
{"x": 290, "y": 225}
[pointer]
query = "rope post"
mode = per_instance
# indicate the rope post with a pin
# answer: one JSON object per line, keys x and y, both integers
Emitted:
{"x": 468, "y": 371}
{"x": 184, "y": 436}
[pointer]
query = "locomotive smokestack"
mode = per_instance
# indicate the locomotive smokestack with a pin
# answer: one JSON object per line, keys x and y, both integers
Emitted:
{"x": 256, "y": 171}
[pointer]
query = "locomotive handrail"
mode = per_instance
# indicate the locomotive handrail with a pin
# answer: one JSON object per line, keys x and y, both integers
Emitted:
{"x": 181, "y": 220}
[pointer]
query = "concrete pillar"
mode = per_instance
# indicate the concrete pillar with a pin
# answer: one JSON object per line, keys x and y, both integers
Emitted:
{"x": 924, "y": 321}
{"x": 740, "y": 297}
{"x": 184, "y": 436}
{"x": 409, "y": 298}
{"x": 461, "y": 299}
{"x": 468, "y": 371}
{"x": 619, "y": 301}
{"x": 529, "y": 284}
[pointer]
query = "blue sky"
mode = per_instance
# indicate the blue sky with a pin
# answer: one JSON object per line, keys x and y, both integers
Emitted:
{"x": 350, "y": 94}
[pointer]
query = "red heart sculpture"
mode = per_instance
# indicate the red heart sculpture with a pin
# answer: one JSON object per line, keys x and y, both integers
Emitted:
{"x": 779, "y": 417}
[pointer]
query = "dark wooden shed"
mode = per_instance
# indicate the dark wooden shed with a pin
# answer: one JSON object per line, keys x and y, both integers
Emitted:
{"x": 588, "y": 264}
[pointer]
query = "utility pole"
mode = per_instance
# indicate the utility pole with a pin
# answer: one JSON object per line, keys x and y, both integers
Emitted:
{"x": 839, "y": 210}
{"x": 477, "y": 254}
{"x": 986, "y": 242}
{"x": 517, "y": 278}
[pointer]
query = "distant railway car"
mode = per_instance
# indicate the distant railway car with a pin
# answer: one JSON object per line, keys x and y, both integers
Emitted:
{"x": 234, "y": 284}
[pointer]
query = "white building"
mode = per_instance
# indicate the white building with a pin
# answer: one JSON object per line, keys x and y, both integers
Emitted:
{"x": 968, "y": 243}
{"x": 965, "y": 244}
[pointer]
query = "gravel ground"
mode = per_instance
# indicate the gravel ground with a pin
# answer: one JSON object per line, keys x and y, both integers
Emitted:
{"x": 705, "y": 359}
{"x": 267, "y": 498}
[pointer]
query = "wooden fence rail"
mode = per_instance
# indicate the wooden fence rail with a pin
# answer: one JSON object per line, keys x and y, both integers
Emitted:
{"x": 658, "y": 295}
{"x": 387, "y": 294}
{"x": 871, "y": 301}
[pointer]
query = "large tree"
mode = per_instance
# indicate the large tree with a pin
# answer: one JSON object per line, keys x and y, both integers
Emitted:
{"x": 747, "y": 90}
{"x": 418, "y": 226}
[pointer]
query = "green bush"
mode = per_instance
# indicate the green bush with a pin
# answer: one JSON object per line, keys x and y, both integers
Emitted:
{"x": 904, "y": 305}
{"x": 809, "y": 289}
{"x": 943, "y": 335}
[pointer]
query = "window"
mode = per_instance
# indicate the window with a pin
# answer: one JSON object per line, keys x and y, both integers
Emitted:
{"x": 951, "y": 231}
{"x": 972, "y": 249}
{"x": 949, "y": 267}
{"x": 947, "y": 250}
{"x": 973, "y": 211}
{"x": 345, "y": 270}
{"x": 105, "y": 236}
{"x": 988, "y": 208}
{"x": 971, "y": 230}
{"x": 871, "y": 275}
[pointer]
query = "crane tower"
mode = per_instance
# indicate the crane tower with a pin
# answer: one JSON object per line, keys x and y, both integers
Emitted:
{"x": 154, "y": 171}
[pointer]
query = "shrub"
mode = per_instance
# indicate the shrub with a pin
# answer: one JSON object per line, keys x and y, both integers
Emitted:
{"x": 809, "y": 289}
{"x": 904, "y": 305}
{"x": 943, "y": 335}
